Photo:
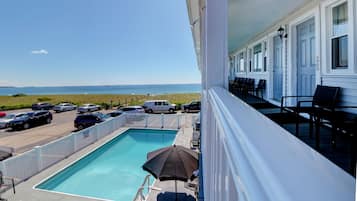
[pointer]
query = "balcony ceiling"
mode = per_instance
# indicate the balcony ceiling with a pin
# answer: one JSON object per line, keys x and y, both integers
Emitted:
{"x": 247, "y": 18}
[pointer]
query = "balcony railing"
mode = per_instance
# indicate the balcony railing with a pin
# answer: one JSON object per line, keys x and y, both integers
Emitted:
{"x": 246, "y": 156}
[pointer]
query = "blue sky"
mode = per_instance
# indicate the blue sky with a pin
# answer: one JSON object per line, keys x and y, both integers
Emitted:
{"x": 95, "y": 42}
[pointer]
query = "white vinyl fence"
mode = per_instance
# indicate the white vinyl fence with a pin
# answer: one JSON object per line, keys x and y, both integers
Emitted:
{"x": 168, "y": 121}
{"x": 23, "y": 166}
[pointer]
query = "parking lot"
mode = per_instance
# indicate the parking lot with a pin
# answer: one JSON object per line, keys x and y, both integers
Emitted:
{"x": 62, "y": 125}
{"x": 23, "y": 140}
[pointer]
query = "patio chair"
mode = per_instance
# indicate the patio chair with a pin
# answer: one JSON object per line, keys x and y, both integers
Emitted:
{"x": 322, "y": 105}
{"x": 195, "y": 141}
{"x": 346, "y": 124}
{"x": 4, "y": 186}
{"x": 5, "y": 152}
{"x": 260, "y": 88}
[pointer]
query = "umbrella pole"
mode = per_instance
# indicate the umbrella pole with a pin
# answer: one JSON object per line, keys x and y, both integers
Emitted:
{"x": 176, "y": 189}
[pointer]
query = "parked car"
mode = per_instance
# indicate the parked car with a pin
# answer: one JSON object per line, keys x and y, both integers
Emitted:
{"x": 88, "y": 108}
{"x": 4, "y": 122}
{"x": 114, "y": 113}
{"x": 132, "y": 109}
{"x": 31, "y": 119}
{"x": 194, "y": 106}
{"x": 86, "y": 120}
{"x": 42, "y": 106}
{"x": 2, "y": 114}
{"x": 62, "y": 107}
{"x": 154, "y": 106}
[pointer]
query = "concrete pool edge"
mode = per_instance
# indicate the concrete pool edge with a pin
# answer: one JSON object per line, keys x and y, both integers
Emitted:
{"x": 110, "y": 140}
{"x": 24, "y": 191}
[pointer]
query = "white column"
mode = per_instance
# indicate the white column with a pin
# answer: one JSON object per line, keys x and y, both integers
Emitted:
{"x": 215, "y": 70}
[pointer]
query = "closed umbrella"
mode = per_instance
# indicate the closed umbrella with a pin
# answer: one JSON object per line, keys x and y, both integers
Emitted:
{"x": 172, "y": 163}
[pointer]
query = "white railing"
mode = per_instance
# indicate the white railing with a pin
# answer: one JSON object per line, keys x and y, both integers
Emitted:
{"x": 25, "y": 165}
{"x": 248, "y": 157}
{"x": 142, "y": 193}
{"x": 32, "y": 162}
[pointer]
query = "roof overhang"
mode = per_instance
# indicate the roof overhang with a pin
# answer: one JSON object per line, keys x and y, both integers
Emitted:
{"x": 246, "y": 19}
{"x": 193, "y": 7}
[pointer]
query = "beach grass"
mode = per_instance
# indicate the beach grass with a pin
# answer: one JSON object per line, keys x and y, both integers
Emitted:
{"x": 25, "y": 101}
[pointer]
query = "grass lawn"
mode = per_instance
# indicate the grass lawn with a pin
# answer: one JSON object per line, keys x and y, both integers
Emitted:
{"x": 10, "y": 102}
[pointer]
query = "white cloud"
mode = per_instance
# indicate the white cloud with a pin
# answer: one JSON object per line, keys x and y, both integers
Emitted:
{"x": 42, "y": 51}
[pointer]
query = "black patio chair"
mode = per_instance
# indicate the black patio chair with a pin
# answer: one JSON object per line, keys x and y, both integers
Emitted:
{"x": 321, "y": 106}
{"x": 346, "y": 124}
{"x": 260, "y": 88}
{"x": 5, "y": 186}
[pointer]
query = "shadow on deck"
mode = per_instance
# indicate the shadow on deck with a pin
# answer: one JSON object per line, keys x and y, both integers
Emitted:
{"x": 342, "y": 154}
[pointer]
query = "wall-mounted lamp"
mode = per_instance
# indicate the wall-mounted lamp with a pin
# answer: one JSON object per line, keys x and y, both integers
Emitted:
{"x": 281, "y": 33}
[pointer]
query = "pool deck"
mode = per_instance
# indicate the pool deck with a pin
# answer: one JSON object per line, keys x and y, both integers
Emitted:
{"x": 26, "y": 192}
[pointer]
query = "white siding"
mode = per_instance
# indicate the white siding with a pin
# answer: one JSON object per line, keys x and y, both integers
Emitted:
{"x": 349, "y": 88}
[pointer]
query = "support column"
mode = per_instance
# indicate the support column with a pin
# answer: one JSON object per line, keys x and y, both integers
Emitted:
{"x": 214, "y": 70}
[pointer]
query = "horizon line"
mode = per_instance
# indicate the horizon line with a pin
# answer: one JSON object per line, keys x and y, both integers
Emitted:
{"x": 97, "y": 85}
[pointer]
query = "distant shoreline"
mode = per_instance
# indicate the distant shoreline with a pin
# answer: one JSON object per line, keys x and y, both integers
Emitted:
{"x": 25, "y": 101}
{"x": 105, "y": 89}
{"x": 7, "y": 87}
{"x": 111, "y": 85}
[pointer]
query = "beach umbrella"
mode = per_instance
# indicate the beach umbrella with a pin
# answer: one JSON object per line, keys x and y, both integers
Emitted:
{"x": 172, "y": 163}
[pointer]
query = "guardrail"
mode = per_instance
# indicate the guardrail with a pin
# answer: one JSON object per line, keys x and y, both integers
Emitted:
{"x": 246, "y": 156}
{"x": 168, "y": 121}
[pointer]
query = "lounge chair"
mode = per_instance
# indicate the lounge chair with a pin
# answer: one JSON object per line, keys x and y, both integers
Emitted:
{"x": 6, "y": 185}
{"x": 195, "y": 141}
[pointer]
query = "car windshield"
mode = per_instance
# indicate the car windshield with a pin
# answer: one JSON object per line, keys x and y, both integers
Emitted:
{"x": 30, "y": 114}
{"x": 22, "y": 116}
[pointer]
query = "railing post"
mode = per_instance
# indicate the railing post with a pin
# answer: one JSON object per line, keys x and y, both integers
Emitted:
{"x": 146, "y": 120}
{"x": 75, "y": 147}
{"x": 3, "y": 168}
{"x": 162, "y": 120}
{"x": 178, "y": 121}
{"x": 96, "y": 132}
{"x": 39, "y": 157}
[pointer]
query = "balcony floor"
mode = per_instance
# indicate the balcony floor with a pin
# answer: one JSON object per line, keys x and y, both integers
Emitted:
{"x": 339, "y": 155}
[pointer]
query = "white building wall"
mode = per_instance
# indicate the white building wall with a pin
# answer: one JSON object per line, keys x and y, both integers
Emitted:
{"x": 346, "y": 80}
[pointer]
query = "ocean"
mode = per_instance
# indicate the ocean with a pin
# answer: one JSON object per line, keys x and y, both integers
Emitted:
{"x": 114, "y": 89}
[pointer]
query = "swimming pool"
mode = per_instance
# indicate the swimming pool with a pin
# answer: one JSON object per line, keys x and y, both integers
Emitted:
{"x": 112, "y": 171}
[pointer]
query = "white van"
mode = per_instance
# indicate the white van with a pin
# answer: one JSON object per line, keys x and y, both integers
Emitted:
{"x": 155, "y": 106}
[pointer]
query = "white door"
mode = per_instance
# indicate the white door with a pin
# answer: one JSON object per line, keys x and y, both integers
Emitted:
{"x": 306, "y": 65}
{"x": 277, "y": 69}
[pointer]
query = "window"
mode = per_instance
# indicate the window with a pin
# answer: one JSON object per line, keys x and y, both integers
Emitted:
{"x": 258, "y": 58}
{"x": 339, "y": 39}
{"x": 250, "y": 60}
{"x": 241, "y": 62}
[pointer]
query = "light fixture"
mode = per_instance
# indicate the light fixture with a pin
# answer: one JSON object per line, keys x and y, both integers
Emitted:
{"x": 281, "y": 32}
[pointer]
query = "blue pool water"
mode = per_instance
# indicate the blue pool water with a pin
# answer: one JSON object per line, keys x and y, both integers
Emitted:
{"x": 114, "y": 170}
